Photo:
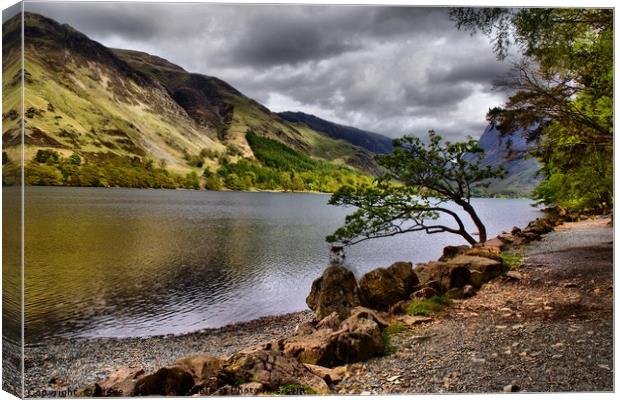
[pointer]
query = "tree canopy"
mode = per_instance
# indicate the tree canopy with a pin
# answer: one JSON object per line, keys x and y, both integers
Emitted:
{"x": 411, "y": 196}
{"x": 561, "y": 93}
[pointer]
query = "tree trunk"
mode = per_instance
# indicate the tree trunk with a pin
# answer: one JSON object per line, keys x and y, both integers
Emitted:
{"x": 482, "y": 231}
{"x": 468, "y": 237}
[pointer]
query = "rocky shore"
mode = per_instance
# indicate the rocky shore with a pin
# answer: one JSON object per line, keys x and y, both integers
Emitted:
{"x": 74, "y": 363}
{"x": 523, "y": 315}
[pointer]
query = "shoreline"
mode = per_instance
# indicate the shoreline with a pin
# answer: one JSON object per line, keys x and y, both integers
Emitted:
{"x": 77, "y": 362}
{"x": 87, "y": 360}
{"x": 314, "y": 192}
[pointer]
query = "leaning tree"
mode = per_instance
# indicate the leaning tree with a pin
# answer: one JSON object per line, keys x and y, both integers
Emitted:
{"x": 419, "y": 182}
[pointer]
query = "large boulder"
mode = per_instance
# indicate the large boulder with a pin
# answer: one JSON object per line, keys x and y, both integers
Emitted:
{"x": 380, "y": 289}
{"x": 335, "y": 291}
{"x": 425, "y": 292}
{"x": 484, "y": 251}
{"x": 318, "y": 348}
{"x": 453, "y": 251}
{"x": 167, "y": 381}
{"x": 446, "y": 275}
{"x": 272, "y": 369}
{"x": 204, "y": 370}
{"x": 539, "y": 226}
{"x": 332, "y": 322}
{"x": 404, "y": 272}
{"x": 366, "y": 313}
{"x": 121, "y": 382}
{"x": 488, "y": 267}
{"x": 358, "y": 338}
{"x": 329, "y": 375}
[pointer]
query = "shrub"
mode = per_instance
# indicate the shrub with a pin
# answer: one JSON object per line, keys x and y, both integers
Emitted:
{"x": 42, "y": 175}
{"x": 75, "y": 159}
{"x": 213, "y": 183}
{"x": 44, "y": 156}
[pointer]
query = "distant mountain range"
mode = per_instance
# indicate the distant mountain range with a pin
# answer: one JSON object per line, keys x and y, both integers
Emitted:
{"x": 371, "y": 141}
{"x": 512, "y": 152}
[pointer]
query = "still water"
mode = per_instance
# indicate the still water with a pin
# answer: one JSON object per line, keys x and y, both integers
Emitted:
{"x": 132, "y": 262}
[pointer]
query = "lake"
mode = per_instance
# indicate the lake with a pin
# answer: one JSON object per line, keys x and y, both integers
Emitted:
{"x": 132, "y": 262}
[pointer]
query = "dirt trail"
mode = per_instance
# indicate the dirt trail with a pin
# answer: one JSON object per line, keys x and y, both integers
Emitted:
{"x": 551, "y": 329}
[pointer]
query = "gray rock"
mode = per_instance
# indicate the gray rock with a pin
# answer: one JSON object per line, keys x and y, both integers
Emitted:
{"x": 335, "y": 291}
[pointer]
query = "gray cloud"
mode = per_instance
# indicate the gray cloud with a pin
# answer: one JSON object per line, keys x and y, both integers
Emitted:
{"x": 394, "y": 70}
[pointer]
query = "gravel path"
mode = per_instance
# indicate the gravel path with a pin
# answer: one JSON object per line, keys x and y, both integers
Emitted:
{"x": 551, "y": 330}
{"x": 74, "y": 363}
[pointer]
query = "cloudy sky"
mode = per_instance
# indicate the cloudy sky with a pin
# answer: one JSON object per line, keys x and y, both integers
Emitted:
{"x": 392, "y": 70}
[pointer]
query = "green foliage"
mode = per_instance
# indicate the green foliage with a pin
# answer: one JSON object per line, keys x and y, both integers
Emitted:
{"x": 278, "y": 167}
{"x": 427, "y": 307}
{"x": 75, "y": 159}
{"x": 511, "y": 260}
{"x": 213, "y": 183}
{"x": 279, "y": 156}
{"x": 209, "y": 153}
{"x": 429, "y": 175}
{"x": 42, "y": 174}
{"x": 293, "y": 389}
{"x": 46, "y": 156}
{"x": 113, "y": 172}
{"x": 11, "y": 174}
{"x": 578, "y": 177}
{"x": 194, "y": 160}
{"x": 563, "y": 96}
{"x": 192, "y": 180}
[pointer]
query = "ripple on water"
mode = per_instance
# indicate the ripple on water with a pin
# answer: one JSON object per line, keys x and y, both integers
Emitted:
{"x": 129, "y": 262}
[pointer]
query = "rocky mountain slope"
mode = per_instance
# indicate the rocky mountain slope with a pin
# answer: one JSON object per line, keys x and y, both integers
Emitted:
{"x": 371, "y": 141}
{"x": 107, "y": 103}
{"x": 512, "y": 152}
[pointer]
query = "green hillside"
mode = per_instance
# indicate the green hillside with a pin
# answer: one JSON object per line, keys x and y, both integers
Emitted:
{"x": 132, "y": 119}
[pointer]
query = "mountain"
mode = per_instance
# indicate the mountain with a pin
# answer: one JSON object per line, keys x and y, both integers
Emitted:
{"x": 371, "y": 141}
{"x": 512, "y": 152}
{"x": 112, "y": 104}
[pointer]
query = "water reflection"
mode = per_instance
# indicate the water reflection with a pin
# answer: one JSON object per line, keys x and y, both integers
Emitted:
{"x": 126, "y": 262}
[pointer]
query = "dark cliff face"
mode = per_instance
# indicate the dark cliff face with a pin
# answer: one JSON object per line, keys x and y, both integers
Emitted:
{"x": 512, "y": 152}
{"x": 204, "y": 98}
{"x": 54, "y": 40}
{"x": 371, "y": 141}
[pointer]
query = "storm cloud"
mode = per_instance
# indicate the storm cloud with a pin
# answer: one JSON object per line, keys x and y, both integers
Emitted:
{"x": 393, "y": 70}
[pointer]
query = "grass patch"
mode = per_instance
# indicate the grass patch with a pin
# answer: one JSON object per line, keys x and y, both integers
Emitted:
{"x": 389, "y": 347}
{"x": 511, "y": 261}
{"x": 427, "y": 307}
{"x": 385, "y": 336}
{"x": 394, "y": 328}
{"x": 293, "y": 389}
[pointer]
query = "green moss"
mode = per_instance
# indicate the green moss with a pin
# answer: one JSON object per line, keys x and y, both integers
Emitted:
{"x": 293, "y": 389}
{"x": 427, "y": 307}
{"x": 395, "y": 328}
{"x": 511, "y": 261}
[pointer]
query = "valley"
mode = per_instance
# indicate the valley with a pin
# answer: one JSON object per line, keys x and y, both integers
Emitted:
{"x": 102, "y": 117}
